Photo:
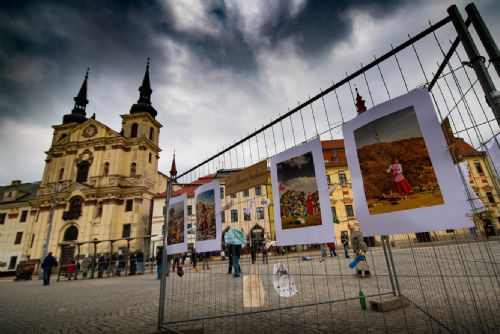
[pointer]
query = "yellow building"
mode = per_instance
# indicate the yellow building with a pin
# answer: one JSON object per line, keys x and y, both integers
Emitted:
{"x": 101, "y": 181}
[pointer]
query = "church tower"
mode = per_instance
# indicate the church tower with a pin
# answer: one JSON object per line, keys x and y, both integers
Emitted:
{"x": 100, "y": 182}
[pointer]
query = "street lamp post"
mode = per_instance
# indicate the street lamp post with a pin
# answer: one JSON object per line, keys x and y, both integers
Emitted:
{"x": 49, "y": 227}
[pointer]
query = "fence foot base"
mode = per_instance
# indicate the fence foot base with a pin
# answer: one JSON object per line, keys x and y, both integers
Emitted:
{"x": 388, "y": 303}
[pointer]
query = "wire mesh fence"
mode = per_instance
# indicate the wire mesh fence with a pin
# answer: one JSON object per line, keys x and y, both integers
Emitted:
{"x": 449, "y": 280}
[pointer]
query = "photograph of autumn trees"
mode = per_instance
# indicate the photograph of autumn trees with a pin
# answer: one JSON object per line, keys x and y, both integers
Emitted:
{"x": 175, "y": 224}
{"x": 395, "y": 165}
{"x": 298, "y": 189}
{"x": 205, "y": 216}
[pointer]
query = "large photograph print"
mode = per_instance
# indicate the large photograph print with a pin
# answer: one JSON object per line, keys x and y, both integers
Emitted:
{"x": 303, "y": 214}
{"x": 208, "y": 219}
{"x": 176, "y": 241}
{"x": 395, "y": 164}
{"x": 403, "y": 177}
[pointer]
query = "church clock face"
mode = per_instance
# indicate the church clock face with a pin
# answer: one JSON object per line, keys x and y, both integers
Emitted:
{"x": 90, "y": 131}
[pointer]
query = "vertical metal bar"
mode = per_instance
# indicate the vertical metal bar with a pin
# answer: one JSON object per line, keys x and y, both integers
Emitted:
{"x": 161, "y": 306}
{"x": 484, "y": 34}
{"x": 492, "y": 96}
{"x": 387, "y": 261}
{"x": 396, "y": 282}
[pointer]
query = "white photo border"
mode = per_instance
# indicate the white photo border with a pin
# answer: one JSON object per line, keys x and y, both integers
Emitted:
{"x": 451, "y": 214}
{"x": 181, "y": 247}
{"x": 214, "y": 244}
{"x": 312, "y": 234}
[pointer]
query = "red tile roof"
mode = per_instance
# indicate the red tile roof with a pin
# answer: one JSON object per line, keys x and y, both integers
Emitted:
{"x": 331, "y": 149}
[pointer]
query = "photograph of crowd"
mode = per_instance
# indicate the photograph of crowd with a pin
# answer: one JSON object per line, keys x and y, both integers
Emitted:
{"x": 298, "y": 191}
{"x": 395, "y": 165}
{"x": 205, "y": 215}
{"x": 175, "y": 224}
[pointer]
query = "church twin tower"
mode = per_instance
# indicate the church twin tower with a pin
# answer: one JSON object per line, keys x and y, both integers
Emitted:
{"x": 102, "y": 181}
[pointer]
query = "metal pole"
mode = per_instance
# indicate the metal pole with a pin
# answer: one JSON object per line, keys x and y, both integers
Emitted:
{"x": 391, "y": 278}
{"x": 161, "y": 306}
{"x": 485, "y": 36}
{"x": 395, "y": 275}
{"x": 49, "y": 229}
{"x": 477, "y": 62}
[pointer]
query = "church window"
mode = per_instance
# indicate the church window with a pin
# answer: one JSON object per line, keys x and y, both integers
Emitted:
{"x": 129, "y": 205}
{"x": 61, "y": 174}
{"x": 151, "y": 133}
{"x": 83, "y": 171}
{"x": 75, "y": 204}
{"x": 71, "y": 233}
{"x": 2, "y": 218}
{"x": 12, "y": 263}
{"x": 126, "y": 231}
{"x": 133, "y": 133}
{"x": 24, "y": 215}
{"x": 19, "y": 238}
{"x": 133, "y": 167}
{"x": 106, "y": 169}
{"x": 99, "y": 209}
{"x": 150, "y": 157}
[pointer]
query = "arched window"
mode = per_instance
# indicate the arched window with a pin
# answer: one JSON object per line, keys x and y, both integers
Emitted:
{"x": 71, "y": 233}
{"x": 133, "y": 132}
{"x": 132, "y": 169}
{"x": 83, "y": 172}
{"x": 61, "y": 174}
{"x": 106, "y": 169}
{"x": 75, "y": 204}
{"x": 151, "y": 133}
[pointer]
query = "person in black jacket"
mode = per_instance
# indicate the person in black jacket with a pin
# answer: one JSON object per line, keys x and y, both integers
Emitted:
{"x": 234, "y": 260}
{"x": 48, "y": 263}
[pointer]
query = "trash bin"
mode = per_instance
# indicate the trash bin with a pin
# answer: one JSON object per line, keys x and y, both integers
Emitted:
{"x": 24, "y": 270}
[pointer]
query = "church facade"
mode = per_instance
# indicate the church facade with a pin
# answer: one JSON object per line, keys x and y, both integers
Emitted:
{"x": 98, "y": 184}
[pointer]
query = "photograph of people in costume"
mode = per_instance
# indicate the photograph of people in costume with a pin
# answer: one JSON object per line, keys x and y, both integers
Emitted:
{"x": 205, "y": 215}
{"x": 298, "y": 190}
{"x": 395, "y": 165}
{"x": 175, "y": 223}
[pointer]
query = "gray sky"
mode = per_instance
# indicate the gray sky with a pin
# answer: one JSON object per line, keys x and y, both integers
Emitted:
{"x": 219, "y": 69}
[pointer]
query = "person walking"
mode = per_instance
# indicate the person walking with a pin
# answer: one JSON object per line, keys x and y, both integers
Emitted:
{"x": 70, "y": 269}
{"x": 236, "y": 260}
{"x": 48, "y": 264}
{"x": 86, "y": 265}
{"x": 265, "y": 251}
{"x": 101, "y": 266}
{"x": 140, "y": 262}
{"x": 359, "y": 246}
{"x": 159, "y": 259}
{"x": 206, "y": 258}
{"x": 132, "y": 263}
{"x": 344, "y": 239}
{"x": 253, "y": 252}
{"x": 322, "y": 248}
{"x": 332, "y": 247}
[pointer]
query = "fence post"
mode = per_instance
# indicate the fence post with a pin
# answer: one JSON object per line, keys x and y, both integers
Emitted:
{"x": 476, "y": 61}
{"x": 393, "y": 266}
{"x": 485, "y": 36}
{"x": 387, "y": 261}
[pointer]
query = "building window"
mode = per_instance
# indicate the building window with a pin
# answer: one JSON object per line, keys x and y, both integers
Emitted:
{"x": 2, "y": 218}
{"x": 61, "y": 174}
{"x": 24, "y": 215}
{"x": 233, "y": 195}
{"x": 221, "y": 192}
{"x": 260, "y": 213}
{"x": 71, "y": 233}
{"x": 105, "y": 170}
{"x": 75, "y": 205}
{"x": 99, "y": 210}
{"x": 335, "y": 159}
{"x": 19, "y": 238}
{"x": 133, "y": 132}
{"x": 479, "y": 168}
{"x": 13, "y": 262}
{"x": 258, "y": 191}
{"x": 342, "y": 178}
{"x": 349, "y": 210}
{"x": 247, "y": 215}
{"x": 190, "y": 210}
{"x": 151, "y": 133}
{"x": 150, "y": 157}
{"x": 223, "y": 216}
{"x": 83, "y": 172}
{"x": 234, "y": 216}
{"x": 334, "y": 212}
{"x": 490, "y": 196}
{"x": 32, "y": 240}
{"x": 133, "y": 167}
{"x": 126, "y": 231}
{"x": 246, "y": 193}
{"x": 129, "y": 205}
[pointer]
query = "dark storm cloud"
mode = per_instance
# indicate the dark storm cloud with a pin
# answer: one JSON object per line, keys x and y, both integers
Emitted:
{"x": 46, "y": 45}
{"x": 321, "y": 23}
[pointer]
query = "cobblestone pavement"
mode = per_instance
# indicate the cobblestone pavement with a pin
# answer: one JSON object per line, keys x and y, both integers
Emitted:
{"x": 457, "y": 286}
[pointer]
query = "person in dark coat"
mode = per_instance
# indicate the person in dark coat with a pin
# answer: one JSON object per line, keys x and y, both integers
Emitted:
{"x": 234, "y": 255}
{"x": 48, "y": 264}
{"x": 132, "y": 263}
{"x": 159, "y": 262}
{"x": 121, "y": 264}
{"x": 102, "y": 265}
{"x": 253, "y": 252}
{"x": 140, "y": 262}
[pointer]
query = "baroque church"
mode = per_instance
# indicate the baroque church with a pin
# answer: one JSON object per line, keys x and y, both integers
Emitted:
{"x": 102, "y": 183}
